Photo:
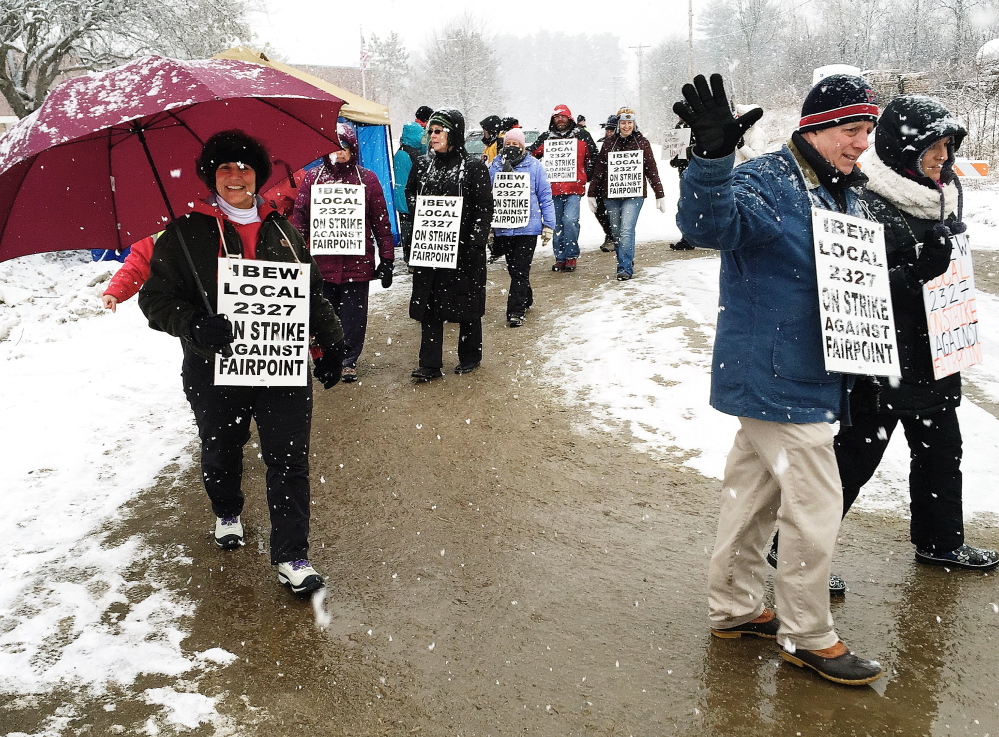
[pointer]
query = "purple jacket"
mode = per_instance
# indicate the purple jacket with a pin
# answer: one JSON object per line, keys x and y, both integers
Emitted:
{"x": 342, "y": 269}
{"x": 542, "y": 208}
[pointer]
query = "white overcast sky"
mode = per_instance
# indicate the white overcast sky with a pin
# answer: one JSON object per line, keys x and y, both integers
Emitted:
{"x": 325, "y": 32}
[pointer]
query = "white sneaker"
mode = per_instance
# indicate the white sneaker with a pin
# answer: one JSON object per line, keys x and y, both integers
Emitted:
{"x": 300, "y": 576}
{"x": 228, "y": 532}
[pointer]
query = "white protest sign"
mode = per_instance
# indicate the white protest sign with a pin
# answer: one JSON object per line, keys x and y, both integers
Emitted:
{"x": 511, "y": 199}
{"x": 675, "y": 143}
{"x": 336, "y": 225}
{"x": 268, "y": 305}
{"x": 625, "y": 174}
{"x": 858, "y": 326}
{"x": 560, "y": 159}
{"x": 952, "y": 314}
{"x": 436, "y": 228}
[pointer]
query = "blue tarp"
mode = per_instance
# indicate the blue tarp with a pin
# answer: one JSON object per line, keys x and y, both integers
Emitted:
{"x": 375, "y": 143}
{"x": 376, "y": 154}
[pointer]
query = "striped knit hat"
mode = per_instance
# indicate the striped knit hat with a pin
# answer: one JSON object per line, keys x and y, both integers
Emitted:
{"x": 836, "y": 100}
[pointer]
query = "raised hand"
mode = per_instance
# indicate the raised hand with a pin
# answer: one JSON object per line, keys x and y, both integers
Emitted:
{"x": 715, "y": 131}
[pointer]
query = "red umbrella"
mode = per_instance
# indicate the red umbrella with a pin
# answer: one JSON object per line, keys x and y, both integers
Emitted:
{"x": 109, "y": 157}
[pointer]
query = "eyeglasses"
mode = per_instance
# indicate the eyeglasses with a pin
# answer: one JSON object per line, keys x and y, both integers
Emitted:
{"x": 437, "y": 131}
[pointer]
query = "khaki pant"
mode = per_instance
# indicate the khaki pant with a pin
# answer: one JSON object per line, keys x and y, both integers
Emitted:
{"x": 785, "y": 473}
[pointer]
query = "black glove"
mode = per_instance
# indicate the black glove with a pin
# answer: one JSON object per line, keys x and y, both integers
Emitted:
{"x": 329, "y": 366}
{"x": 213, "y": 333}
{"x": 934, "y": 257}
{"x": 384, "y": 272}
{"x": 714, "y": 131}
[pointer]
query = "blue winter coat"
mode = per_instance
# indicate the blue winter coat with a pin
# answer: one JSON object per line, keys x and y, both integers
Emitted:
{"x": 768, "y": 358}
{"x": 542, "y": 208}
{"x": 402, "y": 161}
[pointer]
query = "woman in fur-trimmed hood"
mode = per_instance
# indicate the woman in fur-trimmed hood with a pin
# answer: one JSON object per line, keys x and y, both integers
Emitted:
{"x": 913, "y": 191}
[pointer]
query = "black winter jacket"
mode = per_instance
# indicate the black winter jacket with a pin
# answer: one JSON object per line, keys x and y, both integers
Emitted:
{"x": 918, "y": 393}
{"x": 454, "y": 295}
{"x": 170, "y": 300}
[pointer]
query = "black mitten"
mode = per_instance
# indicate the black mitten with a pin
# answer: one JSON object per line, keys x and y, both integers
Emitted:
{"x": 934, "y": 256}
{"x": 213, "y": 333}
{"x": 329, "y": 366}
{"x": 714, "y": 130}
{"x": 384, "y": 272}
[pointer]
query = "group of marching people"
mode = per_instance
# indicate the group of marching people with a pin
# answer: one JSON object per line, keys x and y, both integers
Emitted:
{"x": 617, "y": 215}
{"x": 786, "y": 470}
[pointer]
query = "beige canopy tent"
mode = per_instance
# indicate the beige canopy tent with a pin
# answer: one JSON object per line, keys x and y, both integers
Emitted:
{"x": 355, "y": 107}
{"x": 370, "y": 119}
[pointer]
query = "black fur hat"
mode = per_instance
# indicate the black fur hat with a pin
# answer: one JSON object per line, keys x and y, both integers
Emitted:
{"x": 233, "y": 145}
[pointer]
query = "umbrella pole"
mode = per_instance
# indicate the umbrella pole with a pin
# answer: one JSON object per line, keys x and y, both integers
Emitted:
{"x": 227, "y": 350}
{"x": 180, "y": 235}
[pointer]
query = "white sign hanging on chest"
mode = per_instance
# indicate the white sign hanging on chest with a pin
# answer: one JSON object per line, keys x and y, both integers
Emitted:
{"x": 336, "y": 220}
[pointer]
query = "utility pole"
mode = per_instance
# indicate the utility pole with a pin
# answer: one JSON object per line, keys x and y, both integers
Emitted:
{"x": 364, "y": 57}
{"x": 640, "y": 47}
{"x": 690, "y": 40}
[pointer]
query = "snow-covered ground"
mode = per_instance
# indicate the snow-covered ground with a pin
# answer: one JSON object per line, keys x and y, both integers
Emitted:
{"x": 93, "y": 413}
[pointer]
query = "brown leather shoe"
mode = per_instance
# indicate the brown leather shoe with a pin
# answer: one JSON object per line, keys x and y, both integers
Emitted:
{"x": 764, "y": 625}
{"x": 836, "y": 664}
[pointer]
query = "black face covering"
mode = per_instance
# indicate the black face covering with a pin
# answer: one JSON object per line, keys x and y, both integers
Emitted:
{"x": 512, "y": 155}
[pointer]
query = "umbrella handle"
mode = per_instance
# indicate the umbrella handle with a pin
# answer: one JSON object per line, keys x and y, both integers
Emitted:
{"x": 227, "y": 349}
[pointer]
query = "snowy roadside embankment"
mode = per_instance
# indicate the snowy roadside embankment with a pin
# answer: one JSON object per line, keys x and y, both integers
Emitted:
{"x": 93, "y": 412}
{"x": 638, "y": 356}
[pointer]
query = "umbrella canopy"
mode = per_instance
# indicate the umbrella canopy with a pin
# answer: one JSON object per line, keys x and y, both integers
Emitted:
{"x": 109, "y": 158}
{"x": 355, "y": 108}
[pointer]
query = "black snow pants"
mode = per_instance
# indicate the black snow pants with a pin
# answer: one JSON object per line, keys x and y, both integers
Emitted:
{"x": 935, "y": 482}
{"x": 603, "y": 218}
{"x": 284, "y": 417}
{"x": 432, "y": 343}
{"x": 519, "y": 252}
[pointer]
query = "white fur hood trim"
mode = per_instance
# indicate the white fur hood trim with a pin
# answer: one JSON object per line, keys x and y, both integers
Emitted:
{"x": 907, "y": 195}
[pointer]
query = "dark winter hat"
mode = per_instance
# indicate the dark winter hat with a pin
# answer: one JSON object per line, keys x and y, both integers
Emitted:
{"x": 348, "y": 139}
{"x": 911, "y": 124}
{"x": 233, "y": 145}
{"x": 453, "y": 122}
{"x": 611, "y": 124}
{"x": 491, "y": 124}
{"x": 836, "y": 100}
{"x": 423, "y": 113}
{"x": 581, "y": 119}
{"x": 509, "y": 123}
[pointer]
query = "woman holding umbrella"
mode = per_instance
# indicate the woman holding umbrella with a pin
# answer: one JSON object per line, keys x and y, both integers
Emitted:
{"x": 234, "y": 223}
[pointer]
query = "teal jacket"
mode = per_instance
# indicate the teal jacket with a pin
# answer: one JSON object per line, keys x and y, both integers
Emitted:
{"x": 411, "y": 148}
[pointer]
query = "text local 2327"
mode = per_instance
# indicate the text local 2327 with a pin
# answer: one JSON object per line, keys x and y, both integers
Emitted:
{"x": 268, "y": 305}
{"x": 436, "y": 232}
{"x": 858, "y": 325}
